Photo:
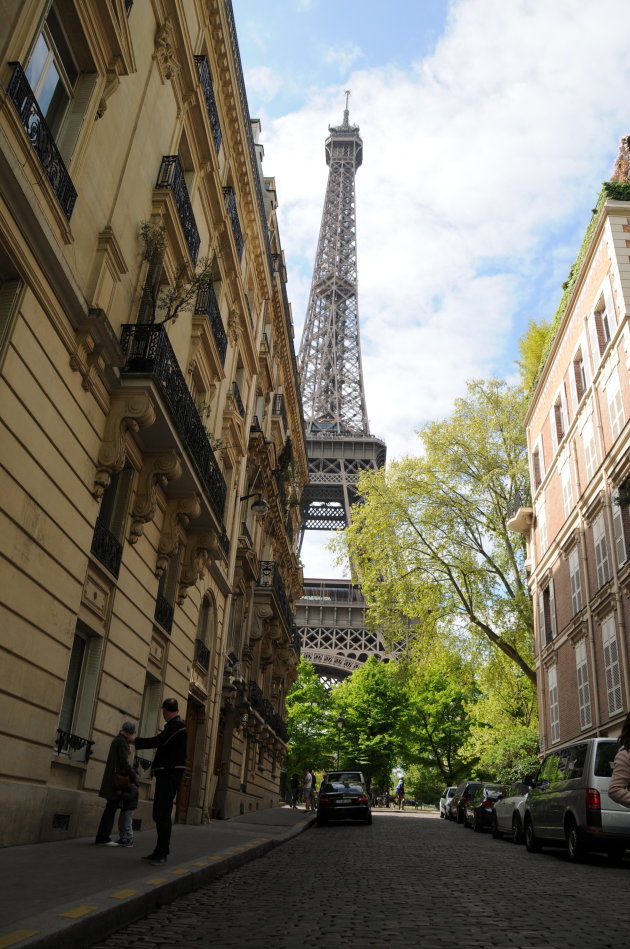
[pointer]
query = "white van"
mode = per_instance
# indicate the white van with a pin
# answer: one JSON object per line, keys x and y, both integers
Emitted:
{"x": 569, "y": 806}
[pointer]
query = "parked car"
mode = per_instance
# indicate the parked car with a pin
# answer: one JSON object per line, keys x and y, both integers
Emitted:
{"x": 509, "y": 812}
{"x": 569, "y": 806}
{"x": 343, "y": 796}
{"x": 457, "y": 803}
{"x": 479, "y": 806}
{"x": 447, "y": 794}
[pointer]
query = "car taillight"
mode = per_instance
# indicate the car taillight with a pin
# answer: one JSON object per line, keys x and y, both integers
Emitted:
{"x": 324, "y": 800}
{"x": 361, "y": 799}
{"x": 487, "y": 803}
{"x": 593, "y": 799}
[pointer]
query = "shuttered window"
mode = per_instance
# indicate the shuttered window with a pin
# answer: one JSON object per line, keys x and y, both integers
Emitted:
{"x": 615, "y": 404}
{"x": 575, "y": 580}
{"x": 590, "y": 449}
{"x": 619, "y": 519}
{"x": 611, "y": 665}
{"x": 584, "y": 690}
{"x": 554, "y": 705}
{"x": 601, "y": 550}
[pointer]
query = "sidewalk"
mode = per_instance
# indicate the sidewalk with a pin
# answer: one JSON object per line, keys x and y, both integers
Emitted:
{"x": 71, "y": 893}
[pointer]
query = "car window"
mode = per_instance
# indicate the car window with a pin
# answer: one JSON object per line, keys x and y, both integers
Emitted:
{"x": 550, "y": 769}
{"x": 573, "y": 761}
{"x": 604, "y": 757}
{"x": 343, "y": 786}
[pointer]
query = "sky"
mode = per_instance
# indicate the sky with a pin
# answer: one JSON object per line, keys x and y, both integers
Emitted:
{"x": 487, "y": 126}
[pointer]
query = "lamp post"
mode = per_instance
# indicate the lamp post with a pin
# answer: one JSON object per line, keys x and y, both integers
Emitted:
{"x": 339, "y": 724}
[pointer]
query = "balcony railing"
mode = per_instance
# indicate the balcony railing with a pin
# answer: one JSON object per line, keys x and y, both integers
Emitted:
{"x": 224, "y": 543}
{"x": 42, "y": 139}
{"x": 202, "y": 654}
{"x": 171, "y": 178}
{"x": 73, "y": 746}
{"x": 106, "y": 548}
{"x": 164, "y": 612}
{"x": 266, "y": 711}
{"x": 519, "y": 500}
{"x": 207, "y": 303}
{"x": 148, "y": 352}
{"x": 270, "y": 576}
{"x": 230, "y": 202}
{"x": 205, "y": 80}
{"x": 255, "y": 426}
{"x": 278, "y": 408}
{"x": 236, "y": 395}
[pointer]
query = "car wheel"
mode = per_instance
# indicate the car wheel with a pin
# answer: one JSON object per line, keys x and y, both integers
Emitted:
{"x": 442, "y": 815}
{"x": 496, "y": 833}
{"x": 517, "y": 830}
{"x": 577, "y": 850}
{"x": 532, "y": 844}
{"x": 368, "y": 819}
{"x": 476, "y": 825}
{"x": 461, "y": 818}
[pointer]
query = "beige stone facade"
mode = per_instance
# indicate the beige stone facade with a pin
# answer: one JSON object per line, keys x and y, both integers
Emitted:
{"x": 578, "y": 533}
{"x": 148, "y": 397}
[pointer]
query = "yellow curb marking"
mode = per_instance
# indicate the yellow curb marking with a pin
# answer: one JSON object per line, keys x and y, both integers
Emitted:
{"x": 16, "y": 936}
{"x": 233, "y": 850}
{"x": 180, "y": 871}
{"x": 78, "y": 911}
{"x": 123, "y": 894}
{"x": 156, "y": 880}
{"x": 215, "y": 858}
{"x": 200, "y": 863}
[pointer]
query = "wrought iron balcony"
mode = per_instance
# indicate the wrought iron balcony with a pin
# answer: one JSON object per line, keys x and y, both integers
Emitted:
{"x": 205, "y": 80}
{"x": 107, "y": 548}
{"x": 264, "y": 345}
{"x": 255, "y": 426}
{"x": 202, "y": 654}
{"x": 224, "y": 543}
{"x": 278, "y": 408}
{"x": 207, "y": 303}
{"x": 278, "y": 724}
{"x": 519, "y": 500}
{"x": 171, "y": 178}
{"x": 148, "y": 352}
{"x": 164, "y": 612}
{"x": 255, "y": 696}
{"x": 73, "y": 746}
{"x": 270, "y": 576}
{"x": 245, "y": 533}
{"x": 230, "y": 201}
{"x": 236, "y": 395}
{"x": 42, "y": 139}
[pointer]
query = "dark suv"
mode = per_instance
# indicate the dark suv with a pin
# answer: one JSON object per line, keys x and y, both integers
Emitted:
{"x": 457, "y": 804}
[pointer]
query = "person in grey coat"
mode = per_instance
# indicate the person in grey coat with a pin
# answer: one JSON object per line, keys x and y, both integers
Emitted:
{"x": 117, "y": 763}
{"x": 619, "y": 787}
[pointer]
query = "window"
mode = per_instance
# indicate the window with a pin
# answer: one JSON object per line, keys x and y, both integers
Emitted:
{"x": 601, "y": 550}
{"x": 536, "y": 469}
{"x": 559, "y": 418}
{"x": 149, "y": 722}
{"x": 611, "y": 665}
{"x": 109, "y": 530}
{"x": 602, "y": 327}
{"x": 590, "y": 449}
{"x": 62, "y": 75}
{"x": 167, "y": 591}
{"x": 579, "y": 375}
{"x": 75, "y": 717}
{"x": 554, "y": 706}
{"x": 547, "y": 614}
{"x": 621, "y": 528}
{"x": 584, "y": 692}
{"x": 615, "y": 404}
{"x": 541, "y": 528}
{"x": 205, "y": 633}
{"x": 575, "y": 580}
{"x": 567, "y": 489}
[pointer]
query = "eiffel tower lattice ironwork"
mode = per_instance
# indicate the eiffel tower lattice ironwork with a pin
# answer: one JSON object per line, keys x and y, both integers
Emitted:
{"x": 331, "y": 615}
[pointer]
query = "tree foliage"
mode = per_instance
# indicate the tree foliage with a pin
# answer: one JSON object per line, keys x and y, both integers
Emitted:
{"x": 531, "y": 346}
{"x": 430, "y": 543}
{"x": 309, "y": 722}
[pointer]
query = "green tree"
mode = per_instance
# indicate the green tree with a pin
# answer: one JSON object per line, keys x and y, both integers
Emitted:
{"x": 531, "y": 346}
{"x": 430, "y": 543}
{"x": 309, "y": 722}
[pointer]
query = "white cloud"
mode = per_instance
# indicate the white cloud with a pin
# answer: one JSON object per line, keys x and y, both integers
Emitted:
{"x": 263, "y": 83}
{"x": 476, "y": 163}
{"x": 343, "y": 57}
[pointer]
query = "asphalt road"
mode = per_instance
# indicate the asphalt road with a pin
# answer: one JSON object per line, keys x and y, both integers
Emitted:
{"x": 410, "y": 880}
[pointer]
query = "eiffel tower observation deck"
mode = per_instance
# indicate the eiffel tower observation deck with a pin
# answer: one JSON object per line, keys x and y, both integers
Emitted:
{"x": 331, "y": 615}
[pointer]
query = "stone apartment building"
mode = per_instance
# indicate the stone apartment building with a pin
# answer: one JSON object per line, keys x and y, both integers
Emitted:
{"x": 578, "y": 525}
{"x": 151, "y": 435}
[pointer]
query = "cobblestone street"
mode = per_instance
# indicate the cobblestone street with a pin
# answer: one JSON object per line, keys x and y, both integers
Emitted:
{"x": 409, "y": 880}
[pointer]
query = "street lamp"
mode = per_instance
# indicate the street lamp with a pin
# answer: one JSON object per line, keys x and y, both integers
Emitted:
{"x": 340, "y": 724}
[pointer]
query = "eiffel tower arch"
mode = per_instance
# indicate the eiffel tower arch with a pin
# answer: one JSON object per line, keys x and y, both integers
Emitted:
{"x": 331, "y": 615}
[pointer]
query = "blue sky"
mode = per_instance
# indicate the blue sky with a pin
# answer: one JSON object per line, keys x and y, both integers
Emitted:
{"x": 488, "y": 127}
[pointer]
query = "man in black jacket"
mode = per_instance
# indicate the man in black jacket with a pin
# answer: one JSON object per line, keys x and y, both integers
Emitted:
{"x": 167, "y": 768}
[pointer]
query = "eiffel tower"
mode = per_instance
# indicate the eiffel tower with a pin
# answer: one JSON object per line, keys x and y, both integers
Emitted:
{"x": 331, "y": 615}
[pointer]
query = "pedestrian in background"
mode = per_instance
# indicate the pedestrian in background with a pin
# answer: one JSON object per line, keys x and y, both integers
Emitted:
{"x": 619, "y": 787}
{"x": 167, "y": 769}
{"x": 308, "y": 786}
{"x": 118, "y": 772}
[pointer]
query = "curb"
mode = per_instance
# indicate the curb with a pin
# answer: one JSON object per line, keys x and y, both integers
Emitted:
{"x": 108, "y": 911}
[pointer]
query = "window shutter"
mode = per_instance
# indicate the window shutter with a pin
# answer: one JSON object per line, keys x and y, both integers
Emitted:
{"x": 553, "y": 429}
{"x": 69, "y": 132}
{"x": 552, "y": 609}
{"x": 618, "y": 531}
{"x": 572, "y": 385}
{"x": 73, "y": 678}
{"x": 611, "y": 665}
{"x": 82, "y": 723}
{"x": 542, "y": 633}
{"x": 594, "y": 339}
{"x": 610, "y": 306}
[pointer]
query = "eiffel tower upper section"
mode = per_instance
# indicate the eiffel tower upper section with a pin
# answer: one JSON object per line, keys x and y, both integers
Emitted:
{"x": 339, "y": 444}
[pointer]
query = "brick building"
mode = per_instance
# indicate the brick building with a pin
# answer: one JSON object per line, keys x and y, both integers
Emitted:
{"x": 577, "y": 526}
{"x": 151, "y": 434}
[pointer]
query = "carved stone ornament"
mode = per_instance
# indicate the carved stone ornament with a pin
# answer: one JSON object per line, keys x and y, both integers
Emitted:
{"x": 125, "y": 414}
{"x": 166, "y": 51}
{"x": 157, "y": 470}
{"x": 262, "y": 613}
{"x": 233, "y": 327}
{"x": 199, "y": 550}
{"x": 177, "y": 515}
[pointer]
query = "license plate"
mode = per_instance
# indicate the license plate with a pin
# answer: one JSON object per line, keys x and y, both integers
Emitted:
{"x": 347, "y": 800}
